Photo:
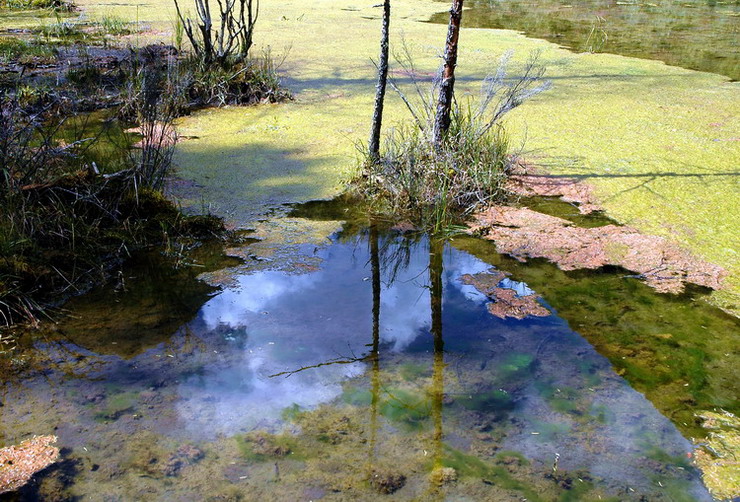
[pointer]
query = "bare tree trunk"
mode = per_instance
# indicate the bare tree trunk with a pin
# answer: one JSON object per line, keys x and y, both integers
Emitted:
{"x": 204, "y": 12}
{"x": 374, "y": 144}
{"x": 447, "y": 86}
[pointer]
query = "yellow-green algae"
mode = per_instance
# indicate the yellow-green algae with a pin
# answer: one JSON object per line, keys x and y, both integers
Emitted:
{"x": 659, "y": 143}
{"x": 718, "y": 457}
{"x": 12, "y": 19}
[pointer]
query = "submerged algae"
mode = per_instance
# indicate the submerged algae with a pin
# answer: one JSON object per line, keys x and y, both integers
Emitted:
{"x": 150, "y": 297}
{"x": 677, "y": 350}
{"x": 216, "y": 380}
{"x": 718, "y": 456}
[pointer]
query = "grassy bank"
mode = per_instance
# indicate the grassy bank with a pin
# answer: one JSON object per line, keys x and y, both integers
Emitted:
{"x": 80, "y": 191}
{"x": 77, "y": 198}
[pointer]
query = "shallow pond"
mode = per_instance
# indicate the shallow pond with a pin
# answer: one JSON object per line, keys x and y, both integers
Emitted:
{"x": 369, "y": 365}
{"x": 696, "y": 34}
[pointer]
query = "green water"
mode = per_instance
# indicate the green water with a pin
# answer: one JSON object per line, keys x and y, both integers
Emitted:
{"x": 696, "y": 34}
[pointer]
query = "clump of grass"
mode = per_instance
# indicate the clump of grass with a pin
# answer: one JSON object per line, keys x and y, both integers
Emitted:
{"x": 434, "y": 185}
{"x": 86, "y": 76}
{"x": 221, "y": 68}
{"x": 64, "y": 217}
{"x": 178, "y": 33}
{"x": 189, "y": 82}
{"x": 61, "y": 31}
{"x": 439, "y": 185}
{"x": 235, "y": 81}
{"x": 13, "y": 49}
{"x": 113, "y": 25}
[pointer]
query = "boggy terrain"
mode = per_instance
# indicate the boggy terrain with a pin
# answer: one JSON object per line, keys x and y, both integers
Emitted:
{"x": 654, "y": 142}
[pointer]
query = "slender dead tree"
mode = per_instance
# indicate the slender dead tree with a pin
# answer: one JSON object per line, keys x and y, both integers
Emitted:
{"x": 447, "y": 84}
{"x": 374, "y": 144}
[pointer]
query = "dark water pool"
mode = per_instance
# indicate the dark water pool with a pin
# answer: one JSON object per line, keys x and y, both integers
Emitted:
{"x": 371, "y": 369}
{"x": 695, "y": 34}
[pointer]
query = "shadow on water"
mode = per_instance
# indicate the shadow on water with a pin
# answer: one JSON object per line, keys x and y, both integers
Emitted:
{"x": 379, "y": 371}
{"x": 149, "y": 298}
{"x": 698, "y": 34}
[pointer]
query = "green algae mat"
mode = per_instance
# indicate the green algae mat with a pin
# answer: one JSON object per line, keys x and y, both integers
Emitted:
{"x": 658, "y": 143}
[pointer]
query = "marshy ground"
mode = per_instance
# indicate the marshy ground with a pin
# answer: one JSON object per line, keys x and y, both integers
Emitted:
{"x": 402, "y": 384}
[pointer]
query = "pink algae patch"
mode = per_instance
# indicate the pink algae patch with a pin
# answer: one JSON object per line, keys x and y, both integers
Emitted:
{"x": 568, "y": 189}
{"x": 523, "y": 233}
{"x": 19, "y": 463}
{"x": 504, "y": 301}
{"x": 157, "y": 134}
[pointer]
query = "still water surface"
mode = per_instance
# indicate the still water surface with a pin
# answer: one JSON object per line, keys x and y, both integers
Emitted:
{"x": 696, "y": 34}
{"x": 371, "y": 369}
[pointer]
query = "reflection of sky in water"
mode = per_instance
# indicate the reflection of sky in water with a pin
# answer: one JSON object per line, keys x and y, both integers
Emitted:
{"x": 218, "y": 369}
{"x": 294, "y": 321}
{"x": 298, "y": 320}
{"x": 339, "y": 295}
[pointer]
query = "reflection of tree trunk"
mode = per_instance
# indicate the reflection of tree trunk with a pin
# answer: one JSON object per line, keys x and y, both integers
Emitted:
{"x": 436, "y": 247}
{"x": 447, "y": 86}
{"x": 375, "y": 354}
{"x": 374, "y": 145}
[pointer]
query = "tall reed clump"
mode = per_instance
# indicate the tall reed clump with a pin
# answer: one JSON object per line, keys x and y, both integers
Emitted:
{"x": 438, "y": 185}
{"x": 154, "y": 97}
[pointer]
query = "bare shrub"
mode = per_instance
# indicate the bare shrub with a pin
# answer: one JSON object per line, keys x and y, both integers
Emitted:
{"x": 231, "y": 37}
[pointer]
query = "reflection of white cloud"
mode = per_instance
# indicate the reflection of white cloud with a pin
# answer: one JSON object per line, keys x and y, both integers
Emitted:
{"x": 520, "y": 288}
{"x": 340, "y": 292}
{"x": 405, "y": 306}
{"x": 459, "y": 263}
{"x": 243, "y": 396}
{"x": 253, "y": 293}
{"x": 298, "y": 320}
